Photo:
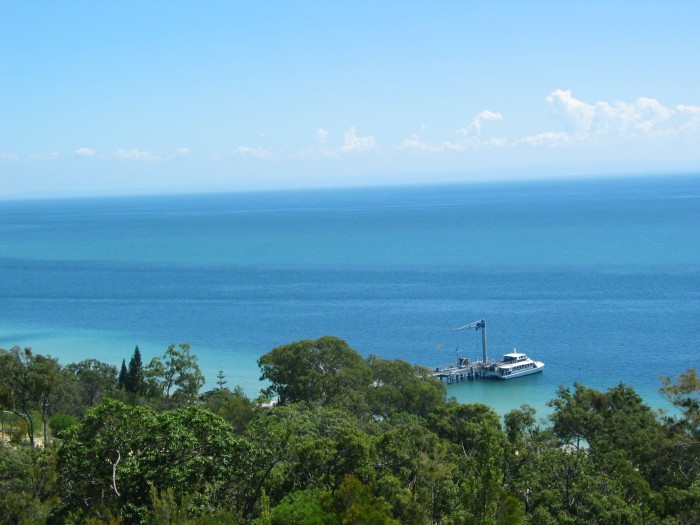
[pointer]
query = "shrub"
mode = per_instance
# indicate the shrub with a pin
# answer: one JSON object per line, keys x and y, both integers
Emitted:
{"x": 61, "y": 422}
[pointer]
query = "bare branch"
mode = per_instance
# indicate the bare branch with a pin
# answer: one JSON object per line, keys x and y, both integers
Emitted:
{"x": 114, "y": 473}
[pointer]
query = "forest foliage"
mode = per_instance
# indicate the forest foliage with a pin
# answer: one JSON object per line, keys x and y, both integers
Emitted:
{"x": 349, "y": 440}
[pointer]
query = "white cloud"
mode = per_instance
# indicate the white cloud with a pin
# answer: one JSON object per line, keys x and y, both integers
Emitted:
{"x": 468, "y": 137}
{"x": 353, "y": 142}
{"x": 477, "y": 123}
{"x": 9, "y": 156}
{"x": 548, "y": 138}
{"x": 690, "y": 117}
{"x": 471, "y": 136}
{"x": 257, "y": 153}
{"x": 321, "y": 150}
{"x": 578, "y": 115}
{"x": 417, "y": 144}
{"x": 183, "y": 152}
{"x": 85, "y": 152}
{"x": 582, "y": 122}
{"x": 137, "y": 154}
{"x": 496, "y": 142}
{"x": 643, "y": 118}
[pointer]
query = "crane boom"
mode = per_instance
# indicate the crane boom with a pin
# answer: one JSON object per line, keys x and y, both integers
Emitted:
{"x": 477, "y": 325}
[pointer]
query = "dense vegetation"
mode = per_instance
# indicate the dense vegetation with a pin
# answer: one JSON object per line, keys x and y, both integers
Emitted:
{"x": 350, "y": 440}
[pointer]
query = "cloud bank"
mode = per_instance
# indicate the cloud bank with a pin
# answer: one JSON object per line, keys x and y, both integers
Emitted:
{"x": 645, "y": 118}
{"x": 137, "y": 154}
{"x": 577, "y": 123}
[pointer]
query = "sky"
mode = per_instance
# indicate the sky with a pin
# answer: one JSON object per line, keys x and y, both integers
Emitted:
{"x": 136, "y": 97}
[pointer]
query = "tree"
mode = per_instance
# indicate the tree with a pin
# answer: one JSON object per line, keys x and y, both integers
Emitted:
{"x": 520, "y": 423}
{"x": 178, "y": 369}
{"x": 27, "y": 484}
{"x": 16, "y": 386}
{"x": 354, "y": 503}
{"x": 565, "y": 486}
{"x": 122, "y": 379}
{"x": 678, "y": 472}
{"x": 45, "y": 375}
{"x": 109, "y": 462}
{"x": 95, "y": 379}
{"x": 475, "y": 431}
{"x": 684, "y": 393}
{"x": 524, "y": 442}
{"x": 616, "y": 423}
{"x": 398, "y": 386}
{"x": 302, "y": 508}
{"x": 31, "y": 382}
{"x": 305, "y": 446}
{"x": 416, "y": 472}
{"x": 320, "y": 371}
{"x": 134, "y": 376}
{"x": 221, "y": 381}
{"x": 235, "y": 407}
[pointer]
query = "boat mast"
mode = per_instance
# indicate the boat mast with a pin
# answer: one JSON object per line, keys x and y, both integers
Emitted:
{"x": 477, "y": 325}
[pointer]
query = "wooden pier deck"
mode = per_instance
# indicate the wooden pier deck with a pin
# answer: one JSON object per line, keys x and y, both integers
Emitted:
{"x": 460, "y": 371}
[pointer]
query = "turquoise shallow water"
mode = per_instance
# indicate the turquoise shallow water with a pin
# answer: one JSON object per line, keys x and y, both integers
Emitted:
{"x": 599, "y": 279}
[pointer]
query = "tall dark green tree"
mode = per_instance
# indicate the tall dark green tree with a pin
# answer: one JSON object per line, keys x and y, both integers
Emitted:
{"x": 134, "y": 375}
{"x": 221, "y": 381}
{"x": 123, "y": 373}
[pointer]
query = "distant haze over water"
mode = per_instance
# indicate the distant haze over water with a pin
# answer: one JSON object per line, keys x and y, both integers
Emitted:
{"x": 598, "y": 279}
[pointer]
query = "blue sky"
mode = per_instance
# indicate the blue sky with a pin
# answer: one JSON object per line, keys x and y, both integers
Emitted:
{"x": 133, "y": 97}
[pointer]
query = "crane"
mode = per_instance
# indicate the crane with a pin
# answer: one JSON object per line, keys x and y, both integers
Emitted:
{"x": 477, "y": 325}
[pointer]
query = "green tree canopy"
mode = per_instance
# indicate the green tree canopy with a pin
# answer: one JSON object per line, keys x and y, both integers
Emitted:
{"x": 320, "y": 371}
{"x": 398, "y": 386}
{"x": 614, "y": 422}
{"x": 95, "y": 379}
{"x": 176, "y": 375}
{"x": 109, "y": 461}
{"x": 684, "y": 392}
{"x": 30, "y": 382}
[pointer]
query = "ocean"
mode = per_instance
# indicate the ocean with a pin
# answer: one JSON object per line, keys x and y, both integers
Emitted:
{"x": 600, "y": 279}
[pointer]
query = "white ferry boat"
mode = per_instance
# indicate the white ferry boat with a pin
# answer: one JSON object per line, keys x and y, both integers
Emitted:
{"x": 512, "y": 365}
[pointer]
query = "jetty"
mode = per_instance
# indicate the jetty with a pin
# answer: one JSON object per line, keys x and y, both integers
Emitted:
{"x": 464, "y": 368}
{"x": 460, "y": 371}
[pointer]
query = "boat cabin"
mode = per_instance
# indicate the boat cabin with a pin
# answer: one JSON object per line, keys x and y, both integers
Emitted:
{"x": 513, "y": 357}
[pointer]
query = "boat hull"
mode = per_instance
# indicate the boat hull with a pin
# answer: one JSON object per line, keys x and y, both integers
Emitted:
{"x": 539, "y": 366}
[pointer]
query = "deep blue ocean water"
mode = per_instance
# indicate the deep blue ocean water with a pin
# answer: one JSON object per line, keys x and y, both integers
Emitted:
{"x": 600, "y": 279}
